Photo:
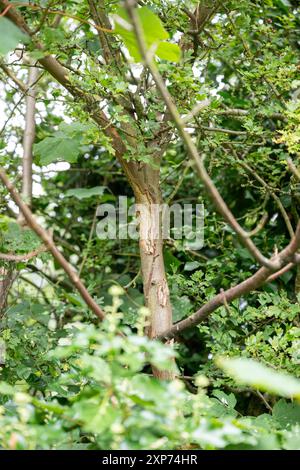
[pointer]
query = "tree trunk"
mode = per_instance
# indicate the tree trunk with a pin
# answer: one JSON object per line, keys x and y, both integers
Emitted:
{"x": 156, "y": 291}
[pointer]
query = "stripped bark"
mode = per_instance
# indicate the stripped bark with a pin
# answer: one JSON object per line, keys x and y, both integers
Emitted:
{"x": 156, "y": 290}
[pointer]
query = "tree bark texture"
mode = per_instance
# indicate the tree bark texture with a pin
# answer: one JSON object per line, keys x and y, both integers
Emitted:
{"x": 156, "y": 290}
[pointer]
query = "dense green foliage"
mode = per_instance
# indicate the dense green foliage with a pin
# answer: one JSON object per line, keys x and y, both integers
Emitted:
{"x": 68, "y": 381}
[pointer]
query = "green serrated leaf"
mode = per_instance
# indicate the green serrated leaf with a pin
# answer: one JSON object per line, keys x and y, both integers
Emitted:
{"x": 10, "y": 36}
{"x": 154, "y": 34}
{"x": 287, "y": 414}
{"x": 64, "y": 145}
{"x": 54, "y": 149}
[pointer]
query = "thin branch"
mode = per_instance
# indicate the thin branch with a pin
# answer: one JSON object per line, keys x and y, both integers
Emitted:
{"x": 245, "y": 112}
{"x": 196, "y": 110}
{"x": 38, "y": 288}
{"x": 133, "y": 281}
{"x": 98, "y": 19}
{"x": 243, "y": 288}
{"x": 50, "y": 245}
{"x": 260, "y": 395}
{"x": 293, "y": 168}
{"x": 221, "y": 130}
{"x": 14, "y": 78}
{"x": 18, "y": 103}
{"x": 24, "y": 257}
{"x": 260, "y": 225}
{"x": 189, "y": 14}
{"x": 9, "y": 6}
{"x": 178, "y": 184}
{"x": 51, "y": 280}
{"x": 252, "y": 172}
{"x": 279, "y": 273}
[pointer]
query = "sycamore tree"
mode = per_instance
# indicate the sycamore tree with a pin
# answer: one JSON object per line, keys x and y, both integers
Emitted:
{"x": 161, "y": 101}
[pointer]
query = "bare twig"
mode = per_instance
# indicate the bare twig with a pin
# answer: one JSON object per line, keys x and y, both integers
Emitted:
{"x": 24, "y": 257}
{"x": 196, "y": 110}
{"x": 260, "y": 225}
{"x": 284, "y": 214}
{"x": 221, "y": 130}
{"x": 279, "y": 273}
{"x": 13, "y": 77}
{"x": 261, "y": 396}
{"x": 293, "y": 168}
{"x": 244, "y": 112}
{"x": 250, "y": 284}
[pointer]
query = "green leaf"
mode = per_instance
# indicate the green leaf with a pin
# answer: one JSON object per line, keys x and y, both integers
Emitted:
{"x": 75, "y": 300}
{"x": 83, "y": 193}
{"x": 168, "y": 51}
{"x": 181, "y": 307}
{"x": 64, "y": 145}
{"x": 154, "y": 34}
{"x": 59, "y": 148}
{"x": 95, "y": 367}
{"x": 223, "y": 404}
{"x": 284, "y": 5}
{"x": 191, "y": 265}
{"x": 249, "y": 372}
{"x": 6, "y": 389}
{"x": 10, "y": 36}
{"x": 292, "y": 439}
{"x": 287, "y": 414}
{"x": 227, "y": 400}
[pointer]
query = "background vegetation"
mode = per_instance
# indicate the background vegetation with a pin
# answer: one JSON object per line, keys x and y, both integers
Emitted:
{"x": 69, "y": 381}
